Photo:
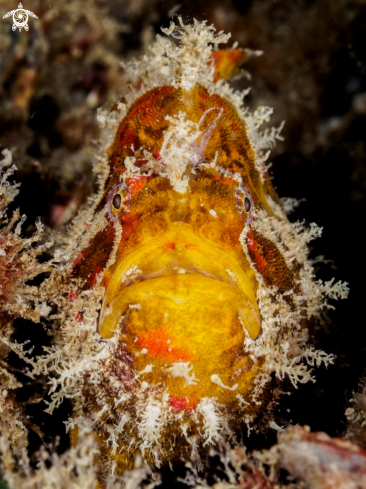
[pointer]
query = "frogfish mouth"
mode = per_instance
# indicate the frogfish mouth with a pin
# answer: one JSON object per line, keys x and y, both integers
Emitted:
{"x": 194, "y": 260}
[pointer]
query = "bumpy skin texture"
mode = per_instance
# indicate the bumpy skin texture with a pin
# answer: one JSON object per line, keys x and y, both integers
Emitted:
{"x": 144, "y": 128}
{"x": 184, "y": 329}
{"x": 204, "y": 286}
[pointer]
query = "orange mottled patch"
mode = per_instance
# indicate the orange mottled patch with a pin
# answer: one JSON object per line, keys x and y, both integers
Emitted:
{"x": 225, "y": 180}
{"x": 135, "y": 184}
{"x": 129, "y": 225}
{"x": 269, "y": 262}
{"x": 159, "y": 344}
{"x": 144, "y": 124}
{"x": 232, "y": 231}
{"x": 228, "y": 62}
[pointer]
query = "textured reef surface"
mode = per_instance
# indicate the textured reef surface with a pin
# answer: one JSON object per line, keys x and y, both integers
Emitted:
{"x": 178, "y": 306}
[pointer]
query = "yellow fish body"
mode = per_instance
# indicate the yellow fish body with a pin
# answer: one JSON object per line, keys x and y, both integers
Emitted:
{"x": 207, "y": 289}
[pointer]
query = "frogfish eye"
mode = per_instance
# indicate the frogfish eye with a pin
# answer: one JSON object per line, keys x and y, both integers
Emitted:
{"x": 118, "y": 200}
{"x": 247, "y": 204}
{"x": 244, "y": 203}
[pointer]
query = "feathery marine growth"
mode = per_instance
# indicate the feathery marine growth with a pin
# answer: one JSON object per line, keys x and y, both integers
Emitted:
{"x": 184, "y": 295}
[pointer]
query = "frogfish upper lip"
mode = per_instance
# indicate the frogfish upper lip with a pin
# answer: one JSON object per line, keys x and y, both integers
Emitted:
{"x": 182, "y": 266}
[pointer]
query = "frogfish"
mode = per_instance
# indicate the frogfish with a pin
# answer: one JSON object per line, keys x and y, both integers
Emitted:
{"x": 191, "y": 295}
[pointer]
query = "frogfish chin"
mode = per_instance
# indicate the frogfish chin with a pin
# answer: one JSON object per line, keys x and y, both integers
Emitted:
{"x": 205, "y": 293}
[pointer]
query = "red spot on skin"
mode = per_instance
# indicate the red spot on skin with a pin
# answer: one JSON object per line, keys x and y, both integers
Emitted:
{"x": 79, "y": 317}
{"x": 157, "y": 156}
{"x": 181, "y": 404}
{"x": 258, "y": 258}
{"x": 72, "y": 296}
{"x": 169, "y": 246}
{"x": 158, "y": 343}
{"x": 135, "y": 184}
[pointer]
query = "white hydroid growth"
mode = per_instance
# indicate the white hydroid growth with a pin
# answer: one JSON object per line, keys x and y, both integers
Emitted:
{"x": 189, "y": 58}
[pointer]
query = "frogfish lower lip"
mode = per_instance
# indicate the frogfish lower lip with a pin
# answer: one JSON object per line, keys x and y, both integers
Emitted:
{"x": 184, "y": 273}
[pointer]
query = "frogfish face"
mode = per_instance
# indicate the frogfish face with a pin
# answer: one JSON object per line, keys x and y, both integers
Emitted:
{"x": 189, "y": 246}
{"x": 183, "y": 293}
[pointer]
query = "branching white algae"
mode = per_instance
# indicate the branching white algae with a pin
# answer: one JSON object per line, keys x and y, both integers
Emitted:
{"x": 181, "y": 295}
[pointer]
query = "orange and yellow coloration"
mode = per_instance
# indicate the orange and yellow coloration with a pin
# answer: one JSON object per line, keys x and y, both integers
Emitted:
{"x": 190, "y": 297}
